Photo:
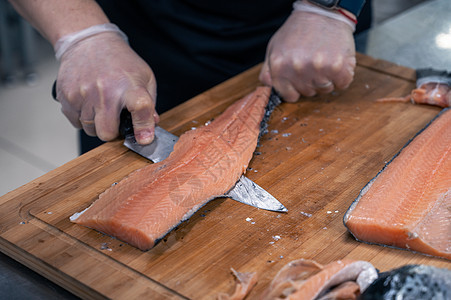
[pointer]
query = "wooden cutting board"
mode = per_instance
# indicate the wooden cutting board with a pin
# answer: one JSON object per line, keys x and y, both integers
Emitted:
{"x": 318, "y": 154}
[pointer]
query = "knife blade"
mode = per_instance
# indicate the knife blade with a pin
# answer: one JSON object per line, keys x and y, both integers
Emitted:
{"x": 245, "y": 190}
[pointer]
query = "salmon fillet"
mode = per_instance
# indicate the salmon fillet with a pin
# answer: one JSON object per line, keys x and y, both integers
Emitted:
{"x": 206, "y": 163}
{"x": 408, "y": 204}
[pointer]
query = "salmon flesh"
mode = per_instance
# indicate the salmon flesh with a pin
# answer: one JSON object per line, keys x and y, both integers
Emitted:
{"x": 205, "y": 164}
{"x": 408, "y": 204}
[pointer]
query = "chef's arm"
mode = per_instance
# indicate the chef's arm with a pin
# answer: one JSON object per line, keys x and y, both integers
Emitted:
{"x": 99, "y": 73}
{"x": 56, "y": 18}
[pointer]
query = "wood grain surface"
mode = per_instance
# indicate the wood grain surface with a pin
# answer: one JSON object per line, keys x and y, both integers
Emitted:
{"x": 318, "y": 154}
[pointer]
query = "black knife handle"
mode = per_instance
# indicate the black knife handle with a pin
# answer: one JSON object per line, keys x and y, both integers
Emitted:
{"x": 125, "y": 125}
{"x": 54, "y": 91}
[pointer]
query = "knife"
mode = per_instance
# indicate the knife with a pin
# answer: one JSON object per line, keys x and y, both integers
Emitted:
{"x": 245, "y": 190}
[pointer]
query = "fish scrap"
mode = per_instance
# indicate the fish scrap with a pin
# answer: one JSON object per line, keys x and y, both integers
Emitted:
{"x": 308, "y": 280}
{"x": 433, "y": 88}
{"x": 245, "y": 283}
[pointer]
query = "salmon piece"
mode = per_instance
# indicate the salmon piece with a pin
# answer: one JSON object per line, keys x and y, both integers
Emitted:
{"x": 307, "y": 279}
{"x": 206, "y": 163}
{"x": 245, "y": 282}
{"x": 438, "y": 94}
{"x": 433, "y": 88}
{"x": 408, "y": 204}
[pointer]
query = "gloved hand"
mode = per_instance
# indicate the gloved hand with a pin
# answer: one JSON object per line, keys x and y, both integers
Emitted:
{"x": 309, "y": 54}
{"x": 98, "y": 77}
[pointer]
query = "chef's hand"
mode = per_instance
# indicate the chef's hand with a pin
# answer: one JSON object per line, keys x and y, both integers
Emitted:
{"x": 98, "y": 77}
{"x": 309, "y": 54}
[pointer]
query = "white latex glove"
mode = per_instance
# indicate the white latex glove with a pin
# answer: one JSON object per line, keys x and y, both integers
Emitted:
{"x": 98, "y": 77}
{"x": 309, "y": 54}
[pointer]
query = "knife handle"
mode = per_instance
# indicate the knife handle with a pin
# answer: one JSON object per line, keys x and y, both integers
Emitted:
{"x": 54, "y": 91}
{"x": 125, "y": 125}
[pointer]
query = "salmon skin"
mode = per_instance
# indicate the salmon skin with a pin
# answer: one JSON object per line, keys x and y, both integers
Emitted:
{"x": 408, "y": 204}
{"x": 205, "y": 164}
{"x": 411, "y": 282}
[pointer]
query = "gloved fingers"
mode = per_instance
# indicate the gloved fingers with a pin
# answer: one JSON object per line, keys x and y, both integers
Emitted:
{"x": 71, "y": 111}
{"x": 89, "y": 127}
{"x": 299, "y": 81}
{"x": 344, "y": 77}
{"x": 152, "y": 90}
{"x": 141, "y": 105}
{"x": 72, "y": 115}
{"x": 324, "y": 86}
{"x": 87, "y": 118}
{"x": 305, "y": 89}
{"x": 265, "y": 75}
{"x": 274, "y": 73}
{"x": 286, "y": 89}
{"x": 106, "y": 124}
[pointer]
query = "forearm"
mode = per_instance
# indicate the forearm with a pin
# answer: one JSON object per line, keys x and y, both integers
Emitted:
{"x": 56, "y": 18}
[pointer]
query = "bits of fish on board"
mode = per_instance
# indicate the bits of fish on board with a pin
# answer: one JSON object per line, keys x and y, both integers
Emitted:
{"x": 433, "y": 88}
{"x": 308, "y": 280}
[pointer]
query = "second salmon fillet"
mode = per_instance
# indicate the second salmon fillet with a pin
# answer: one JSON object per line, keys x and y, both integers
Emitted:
{"x": 408, "y": 204}
{"x": 205, "y": 164}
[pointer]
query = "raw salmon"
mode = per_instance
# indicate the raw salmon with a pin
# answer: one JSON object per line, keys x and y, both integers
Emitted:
{"x": 307, "y": 279}
{"x": 433, "y": 88}
{"x": 408, "y": 204}
{"x": 245, "y": 282}
{"x": 438, "y": 94}
{"x": 206, "y": 163}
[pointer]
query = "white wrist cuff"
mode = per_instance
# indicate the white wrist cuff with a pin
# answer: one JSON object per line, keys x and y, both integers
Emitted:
{"x": 67, "y": 41}
{"x": 301, "y": 6}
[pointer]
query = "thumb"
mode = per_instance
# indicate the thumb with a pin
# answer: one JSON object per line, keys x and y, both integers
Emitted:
{"x": 141, "y": 106}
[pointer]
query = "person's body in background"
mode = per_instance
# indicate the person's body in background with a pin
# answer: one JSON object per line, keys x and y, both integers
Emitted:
{"x": 190, "y": 46}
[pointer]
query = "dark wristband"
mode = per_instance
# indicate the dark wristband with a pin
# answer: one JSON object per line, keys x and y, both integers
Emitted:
{"x": 353, "y": 6}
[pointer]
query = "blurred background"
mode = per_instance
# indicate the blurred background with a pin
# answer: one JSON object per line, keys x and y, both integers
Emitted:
{"x": 35, "y": 136}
